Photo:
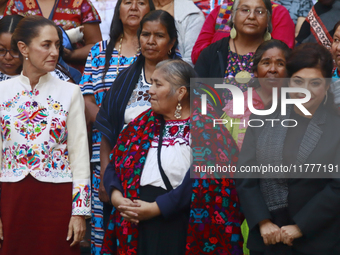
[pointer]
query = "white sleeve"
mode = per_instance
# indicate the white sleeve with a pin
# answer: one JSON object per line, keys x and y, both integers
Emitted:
{"x": 79, "y": 159}
{"x": 1, "y": 147}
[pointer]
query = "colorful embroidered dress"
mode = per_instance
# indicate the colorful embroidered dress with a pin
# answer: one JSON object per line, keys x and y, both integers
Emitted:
{"x": 335, "y": 87}
{"x": 92, "y": 84}
{"x": 215, "y": 215}
{"x": 139, "y": 100}
{"x": 336, "y": 74}
{"x": 77, "y": 12}
{"x": 41, "y": 135}
{"x": 238, "y": 132}
{"x": 236, "y": 64}
{"x": 206, "y": 6}
{"x": 215, "y": 218}
{"x": 129, "y": 156}
{"x": 135, "y": 153}
{"x": 175, "y": 155}
{"x": 44, "y": 136}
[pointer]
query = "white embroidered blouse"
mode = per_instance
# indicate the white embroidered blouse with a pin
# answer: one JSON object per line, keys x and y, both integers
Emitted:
{"x": 175, "y": 155}
{"x": 44, "y": 134}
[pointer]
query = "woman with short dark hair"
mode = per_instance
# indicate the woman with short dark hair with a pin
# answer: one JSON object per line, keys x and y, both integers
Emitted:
{"x": 296, "y": 216}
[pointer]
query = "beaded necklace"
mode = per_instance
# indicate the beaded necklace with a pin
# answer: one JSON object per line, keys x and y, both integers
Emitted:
{"x": 119, "y": 53}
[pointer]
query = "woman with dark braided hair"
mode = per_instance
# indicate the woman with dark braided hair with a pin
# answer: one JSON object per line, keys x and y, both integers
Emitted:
{"x": 105, "y": 61}
{"x": 129, "y": 94}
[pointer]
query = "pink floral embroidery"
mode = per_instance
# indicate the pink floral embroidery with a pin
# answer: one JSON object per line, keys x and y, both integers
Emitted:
{"x": 31, "y": 120}
{"x": 58, "y": 131}
{"x": 38, "y": 157}
{"x": 6, "y": 128}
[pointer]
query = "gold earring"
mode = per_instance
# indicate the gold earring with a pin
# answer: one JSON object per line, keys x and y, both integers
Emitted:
{"x": 178, "y": 111}
{"x": 267, "y": 36}
{"x": 233, "y": 33}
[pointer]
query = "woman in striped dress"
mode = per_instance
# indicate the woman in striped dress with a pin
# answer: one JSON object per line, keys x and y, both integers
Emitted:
{"x": 105, "y": 60}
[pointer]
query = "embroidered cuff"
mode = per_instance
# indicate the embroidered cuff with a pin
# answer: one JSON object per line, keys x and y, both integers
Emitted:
{"x": 81, "y": 197}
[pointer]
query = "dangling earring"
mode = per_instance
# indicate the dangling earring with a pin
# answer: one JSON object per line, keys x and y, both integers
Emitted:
{"x": 267, "y": 36}
{"x": 26, "y": 58}
{"x": 233, "y": 33}
{"x": 324, "y": 103}
{"x": 178, "y": 111}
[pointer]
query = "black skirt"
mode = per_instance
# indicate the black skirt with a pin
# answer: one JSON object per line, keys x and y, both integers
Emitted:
{"x": 159, "y": 235}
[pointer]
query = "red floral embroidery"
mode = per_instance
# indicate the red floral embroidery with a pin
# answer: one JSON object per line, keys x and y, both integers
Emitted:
{"x": 186, "y": 131}
{"x": 173, "y": 130}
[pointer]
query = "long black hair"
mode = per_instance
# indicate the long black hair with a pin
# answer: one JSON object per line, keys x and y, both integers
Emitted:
{"x": 9, "y": 23}
{"x": 116, "y": 30}
{"x": 167, "y": 21}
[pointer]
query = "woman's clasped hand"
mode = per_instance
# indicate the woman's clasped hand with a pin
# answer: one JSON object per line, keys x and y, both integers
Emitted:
{"x": 134, "y": 210}
{"x": 162, "y": 154}
{"x": 272, "y": 234}
{"x": 289, "y": 213}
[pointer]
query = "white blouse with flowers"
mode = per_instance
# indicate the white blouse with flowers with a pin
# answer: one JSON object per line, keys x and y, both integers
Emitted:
{"x": 44, "y": 134}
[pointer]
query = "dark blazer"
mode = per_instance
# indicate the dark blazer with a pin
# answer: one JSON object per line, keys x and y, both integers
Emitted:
{"x": 313, "y": 204}
{"x": 213, "y": 60}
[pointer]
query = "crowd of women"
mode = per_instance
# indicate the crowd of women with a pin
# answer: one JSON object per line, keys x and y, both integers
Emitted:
{"x": 132, "y": 106}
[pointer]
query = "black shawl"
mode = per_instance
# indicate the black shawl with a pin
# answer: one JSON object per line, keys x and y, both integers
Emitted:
{"x": 110, "y": 118}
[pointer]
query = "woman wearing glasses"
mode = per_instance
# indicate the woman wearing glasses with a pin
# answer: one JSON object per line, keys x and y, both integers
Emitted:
{"x": 232, "y": 57}
{"x": 10, "y": 64}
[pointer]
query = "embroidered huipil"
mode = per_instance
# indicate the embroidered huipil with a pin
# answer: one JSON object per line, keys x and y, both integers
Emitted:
{"x": 44, "y": 134}
{"x": 78, "y": 12}
{"x": 175, "y": 155}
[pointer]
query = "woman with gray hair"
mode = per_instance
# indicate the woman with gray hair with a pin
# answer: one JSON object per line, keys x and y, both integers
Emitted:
{"x": 149, "y": 183}
{"x": 232, "y": 57}
{"x": 156, "y": 154}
